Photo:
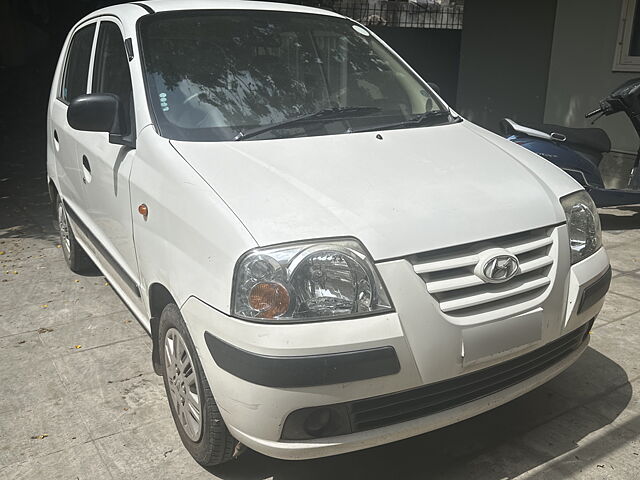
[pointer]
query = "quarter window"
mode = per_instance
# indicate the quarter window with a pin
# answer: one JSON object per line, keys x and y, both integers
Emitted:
{"x": 111, "y": 69}
{"x": 77, "y": 69}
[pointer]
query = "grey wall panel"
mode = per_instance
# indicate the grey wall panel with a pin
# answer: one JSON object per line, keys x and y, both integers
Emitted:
{"x": 504, "y": 60}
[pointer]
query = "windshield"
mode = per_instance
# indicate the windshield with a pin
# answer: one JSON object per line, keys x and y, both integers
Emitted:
{"x": 215, "y": 75}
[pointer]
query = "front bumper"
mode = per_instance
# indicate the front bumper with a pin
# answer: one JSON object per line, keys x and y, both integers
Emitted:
{"x": 428, "y": 348}
{"x": 370, "y": 438}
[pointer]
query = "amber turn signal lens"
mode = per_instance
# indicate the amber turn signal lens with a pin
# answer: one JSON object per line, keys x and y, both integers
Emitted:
{"x": 143, "y": 210}
{"x": 270, "y": 299}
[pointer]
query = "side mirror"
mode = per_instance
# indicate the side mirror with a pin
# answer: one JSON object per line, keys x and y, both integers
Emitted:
{"x": 96, "y": 112}
{"x": 99, "y": 112}
{"x": 435, "y": 87}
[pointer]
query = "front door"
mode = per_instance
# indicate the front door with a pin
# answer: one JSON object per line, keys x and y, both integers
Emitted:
{"x": 74, "y": 83}
{"x": 106, "y": 167}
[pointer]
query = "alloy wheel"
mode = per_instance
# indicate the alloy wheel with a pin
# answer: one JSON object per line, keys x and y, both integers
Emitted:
{"x": 183, "y": 384}
{"x": 63, "y": 224}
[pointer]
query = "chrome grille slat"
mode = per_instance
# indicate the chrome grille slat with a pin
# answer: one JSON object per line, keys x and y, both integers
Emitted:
{"x": 472, "y": 301}
{"x": 446, "y": 264}
{"x": 528, "y": 246}
{"x": 449, "y": 273}
{"x": 453, "y": 283}
{"x": 472, "y": 280}
{"x": 531, "y": 265}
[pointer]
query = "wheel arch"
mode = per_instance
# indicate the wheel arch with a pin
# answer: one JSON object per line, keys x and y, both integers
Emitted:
{"x": 159, "y": 297}
{"x": 53, "y": 195}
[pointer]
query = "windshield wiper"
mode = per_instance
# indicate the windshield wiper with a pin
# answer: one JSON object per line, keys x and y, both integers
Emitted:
{"x": 324, "y": 114}
{"x": 420, "y": 119}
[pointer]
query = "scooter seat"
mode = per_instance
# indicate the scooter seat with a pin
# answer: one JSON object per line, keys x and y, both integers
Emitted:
{"x": 594, "y": 139}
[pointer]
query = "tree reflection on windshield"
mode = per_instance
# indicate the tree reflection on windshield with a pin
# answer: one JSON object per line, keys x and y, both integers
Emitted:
{"x": 213, "y": 74}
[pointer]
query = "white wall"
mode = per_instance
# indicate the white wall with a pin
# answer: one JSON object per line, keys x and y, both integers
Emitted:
{"x": 580, "y": 74}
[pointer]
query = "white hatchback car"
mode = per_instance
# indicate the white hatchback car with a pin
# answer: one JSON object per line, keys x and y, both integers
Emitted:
{"x": 326, "y": 256}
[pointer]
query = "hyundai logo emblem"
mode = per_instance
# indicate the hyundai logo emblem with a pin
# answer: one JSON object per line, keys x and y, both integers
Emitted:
{"x": 497, "y": 265}
{"x": 500, "y": 268}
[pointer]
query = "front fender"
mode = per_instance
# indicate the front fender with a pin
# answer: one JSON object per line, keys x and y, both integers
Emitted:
{"x": 190, "y": 240}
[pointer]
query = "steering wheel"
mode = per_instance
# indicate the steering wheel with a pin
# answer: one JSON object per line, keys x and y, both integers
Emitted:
{"x": 197, "y": 115}
{"x": 190, "y": 98}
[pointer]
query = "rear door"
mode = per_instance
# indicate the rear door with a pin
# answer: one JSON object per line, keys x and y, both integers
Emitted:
{"x": 74, "y": 82}
{"x": 107, "y": 166}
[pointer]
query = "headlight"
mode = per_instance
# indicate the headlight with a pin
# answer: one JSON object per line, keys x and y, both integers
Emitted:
{"x": 583, "y": 222}
{"x": 308, "y": 281}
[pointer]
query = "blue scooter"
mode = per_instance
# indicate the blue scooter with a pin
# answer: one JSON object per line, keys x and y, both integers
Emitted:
{"x": 579, "y": 151}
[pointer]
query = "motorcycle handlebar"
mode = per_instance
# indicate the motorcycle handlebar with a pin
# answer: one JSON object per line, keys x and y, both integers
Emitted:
{"x": 595, "y": 112}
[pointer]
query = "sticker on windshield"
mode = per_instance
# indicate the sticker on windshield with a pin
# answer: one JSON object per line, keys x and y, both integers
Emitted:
{"x": 360, "y": 30}
{"x": 163, "y": 102}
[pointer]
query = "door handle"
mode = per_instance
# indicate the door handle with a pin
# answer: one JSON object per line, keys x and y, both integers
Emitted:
{"x": 86, "y": 174}
{"x": 56, "y": 141}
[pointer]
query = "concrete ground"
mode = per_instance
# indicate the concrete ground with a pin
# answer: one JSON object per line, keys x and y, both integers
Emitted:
{"x": 79, "y": 400}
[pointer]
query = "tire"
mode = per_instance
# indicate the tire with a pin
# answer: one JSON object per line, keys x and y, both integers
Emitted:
{"x": 212, "y": 444}
{"x": 77, "y": 259}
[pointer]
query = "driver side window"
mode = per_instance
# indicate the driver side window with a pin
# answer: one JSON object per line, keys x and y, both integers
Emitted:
{"x": 77, "y": 66}
{"x": 111, "y": 70}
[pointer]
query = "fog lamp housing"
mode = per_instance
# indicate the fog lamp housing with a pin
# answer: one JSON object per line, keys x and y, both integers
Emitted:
{"x": 317, "y": 422}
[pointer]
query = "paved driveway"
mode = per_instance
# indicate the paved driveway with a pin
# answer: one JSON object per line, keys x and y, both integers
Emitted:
{"x": 78, "y": 398}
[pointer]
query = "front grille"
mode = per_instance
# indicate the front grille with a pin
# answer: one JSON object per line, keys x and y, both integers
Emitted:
{"x": 419, "y": 402}
{"x": 450, "y": 279}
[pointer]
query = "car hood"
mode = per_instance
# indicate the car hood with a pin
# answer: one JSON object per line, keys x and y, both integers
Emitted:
{"x": 399, "y": 192}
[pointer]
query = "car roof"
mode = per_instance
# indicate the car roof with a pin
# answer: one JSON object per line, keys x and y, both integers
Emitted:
{"x": 173, "y": 5}
{"x": 130, "y": 12}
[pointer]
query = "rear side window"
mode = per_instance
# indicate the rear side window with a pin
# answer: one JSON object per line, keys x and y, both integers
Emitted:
{"x": 77, "y": 70}
{"x": 111, "y": 68}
